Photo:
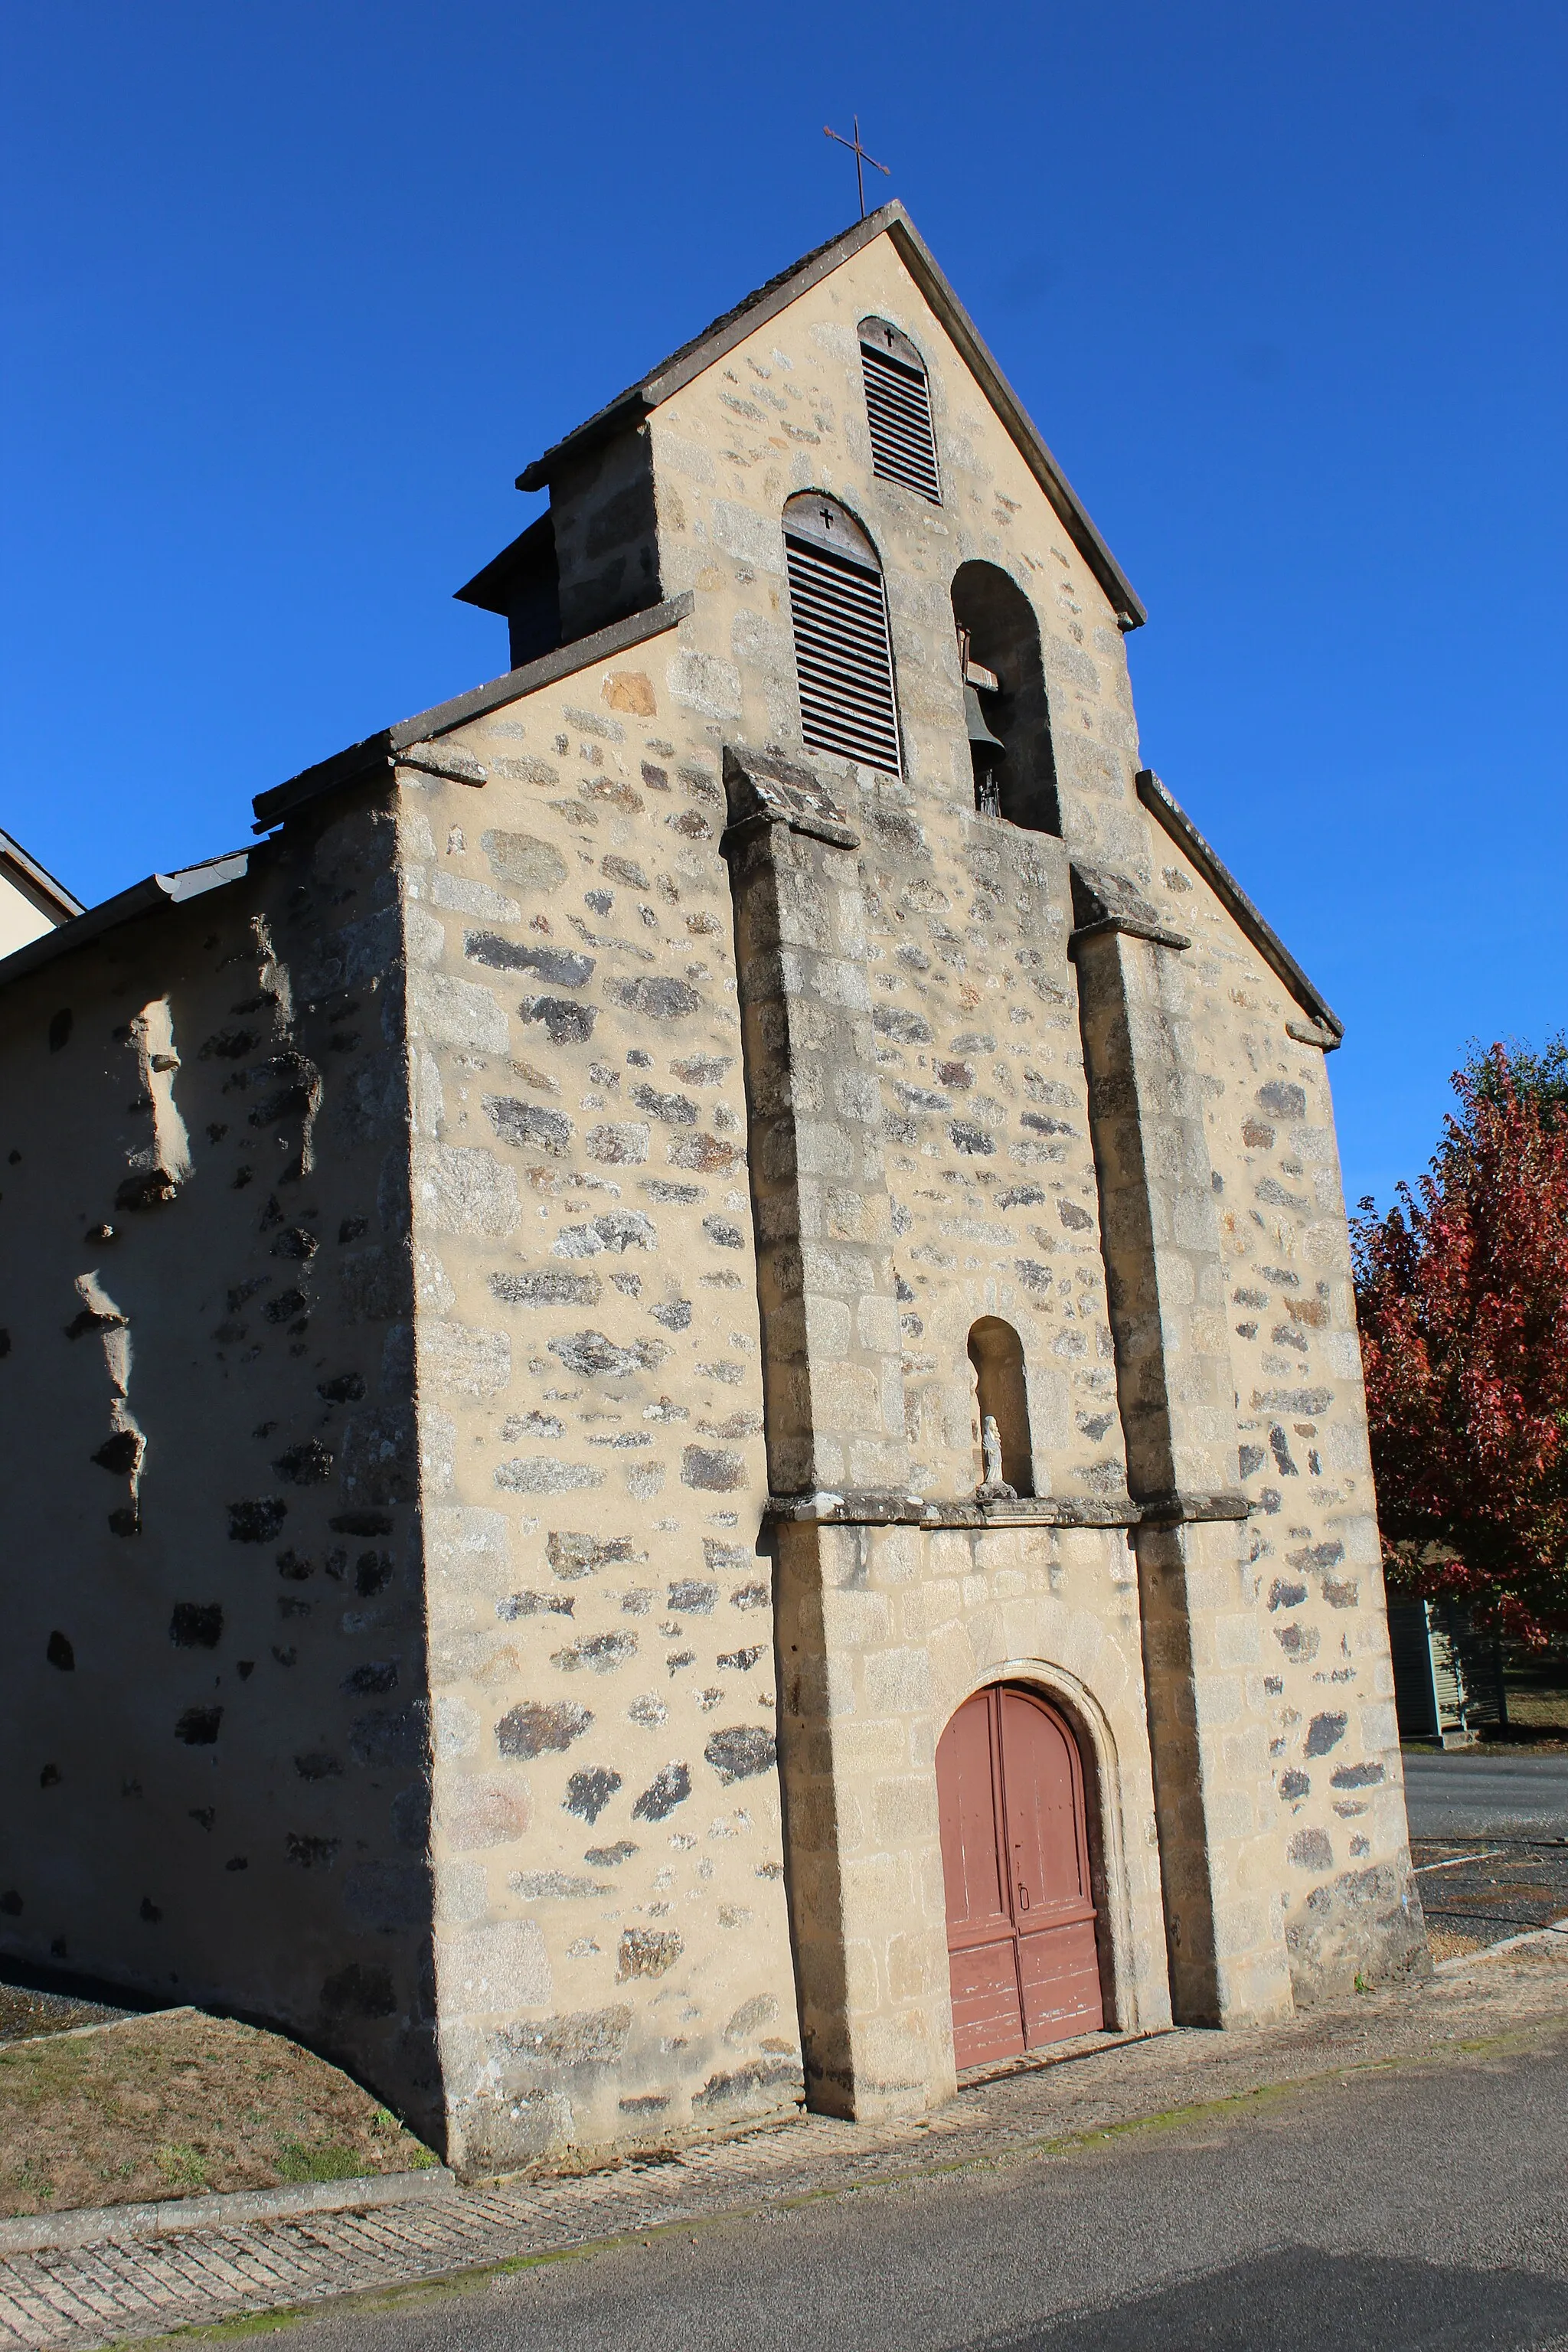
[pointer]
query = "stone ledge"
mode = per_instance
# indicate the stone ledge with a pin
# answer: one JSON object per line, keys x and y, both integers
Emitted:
{"x": 872, "y": 1511}
{"x": 1107, "y": 905}
{"x": 1172, "y": 1510}
{"x": 1127, "y": 927}
{"x": 444, "y": 760}
{"x": 765, "y": 789}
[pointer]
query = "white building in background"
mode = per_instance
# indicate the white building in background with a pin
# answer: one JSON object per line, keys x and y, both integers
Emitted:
{"x": 31, "y": 901}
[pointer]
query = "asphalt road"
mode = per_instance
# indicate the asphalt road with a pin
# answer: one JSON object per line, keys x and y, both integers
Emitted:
{"x": 1389, "y": 2212}
{"x": 1469, "y": 1795}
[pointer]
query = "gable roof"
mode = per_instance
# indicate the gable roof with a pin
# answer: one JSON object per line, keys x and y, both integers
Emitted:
{"x": 640, "y": 399}
{"x": 379, "y": 753}
{"x": 1326, "y": 1027}
{"x": 148, "y": 896}
{"x": 35, "y": 882}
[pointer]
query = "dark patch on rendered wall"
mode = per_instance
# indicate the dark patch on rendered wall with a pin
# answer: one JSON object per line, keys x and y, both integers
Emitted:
{"x": 297, "y": 1132}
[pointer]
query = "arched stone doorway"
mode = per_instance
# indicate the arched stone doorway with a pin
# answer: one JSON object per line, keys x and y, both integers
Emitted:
{"x": 1015, "y": 1850}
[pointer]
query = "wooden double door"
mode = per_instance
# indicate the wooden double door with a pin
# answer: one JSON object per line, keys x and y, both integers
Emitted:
{"x": 1015, "y": 1851}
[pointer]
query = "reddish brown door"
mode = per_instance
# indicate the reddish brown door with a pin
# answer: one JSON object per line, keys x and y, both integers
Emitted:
{"x": 1020, "y": 1923}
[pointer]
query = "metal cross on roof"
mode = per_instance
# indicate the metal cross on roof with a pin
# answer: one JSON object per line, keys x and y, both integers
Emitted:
{"x": 861, "y": 158}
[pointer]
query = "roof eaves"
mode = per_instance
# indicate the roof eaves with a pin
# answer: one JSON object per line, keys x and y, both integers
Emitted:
{"x": 631, "y": 406}
{"x": 628, "y": 409}
{"x": 487, "y": 588}
{"x": 934, "y": 285}
{"x": 1234, "y": 899}
{"x": 146, "y": 898}
{"x": 13, "y": 853}
{"x": 378, "y": 753}
{"x": 766, "y": 303}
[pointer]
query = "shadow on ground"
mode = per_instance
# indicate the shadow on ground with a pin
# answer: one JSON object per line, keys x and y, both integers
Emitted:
{"x": 1336, "y": 2302}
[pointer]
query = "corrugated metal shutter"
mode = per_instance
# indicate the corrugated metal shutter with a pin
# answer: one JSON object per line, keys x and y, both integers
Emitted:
{"x": 898, "y": 404}
{"x": 1410, "y": 1648}
{"x": 842, "y": 659}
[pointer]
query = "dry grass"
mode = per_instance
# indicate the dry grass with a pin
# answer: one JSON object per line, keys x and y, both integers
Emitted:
{"x": 1538, "y": 1698}
{"x": 180, "y": 2105}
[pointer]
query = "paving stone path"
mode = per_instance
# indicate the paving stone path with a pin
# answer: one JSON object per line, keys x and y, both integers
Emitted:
{"x": 71, "y": 2300}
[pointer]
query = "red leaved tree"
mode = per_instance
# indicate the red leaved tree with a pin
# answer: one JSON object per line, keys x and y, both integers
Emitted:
{"x": 1462, "y": 1295}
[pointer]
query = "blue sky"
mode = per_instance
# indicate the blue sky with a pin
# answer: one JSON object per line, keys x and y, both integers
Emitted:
{"x": 294, "y": 292}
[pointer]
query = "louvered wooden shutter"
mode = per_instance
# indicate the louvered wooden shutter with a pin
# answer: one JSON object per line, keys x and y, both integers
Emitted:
{"x": 843, "y": 659}
{"x": 898, "y": 405}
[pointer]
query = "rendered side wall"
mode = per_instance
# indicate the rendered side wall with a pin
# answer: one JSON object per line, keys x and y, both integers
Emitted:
{"x": 213, "y": 1725}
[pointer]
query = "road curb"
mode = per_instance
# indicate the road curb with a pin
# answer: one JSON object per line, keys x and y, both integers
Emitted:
{"x": 37, "y": 2234}
{"x": 103, "y": 2025}
{"x": 1508, "y": 1944}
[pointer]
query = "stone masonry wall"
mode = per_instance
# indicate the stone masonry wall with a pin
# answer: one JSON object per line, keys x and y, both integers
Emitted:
{"x": 975, "y": 1004}
{"x": 785, "y": 411}
{"x": 1219, "y": 1833}
{"x": 884, "y": 1629}
{"x": 605, "y": 535}
{"x": 1323, "y": 1685}
{"x": 883, "y": 1633}
{"x": 213, "y": 1725}
{"x": 612, "y": 1949}
{"x": 990, "y": 1167}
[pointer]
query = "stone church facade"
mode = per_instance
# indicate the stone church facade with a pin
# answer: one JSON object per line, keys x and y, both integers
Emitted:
{"x": 504, "y": 1278}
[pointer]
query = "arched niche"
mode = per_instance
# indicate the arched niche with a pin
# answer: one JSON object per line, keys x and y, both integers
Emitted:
{"x": 1001, "y": 1390}
{"x": 999, "y": 633}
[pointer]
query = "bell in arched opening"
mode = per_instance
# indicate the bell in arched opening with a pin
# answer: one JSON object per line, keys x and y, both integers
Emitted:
{"x": 1007, "y": 717}
{"x": 986, "y": 749}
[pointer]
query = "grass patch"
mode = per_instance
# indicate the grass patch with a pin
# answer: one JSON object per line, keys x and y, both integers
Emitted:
{"x": 181, "y": 2166}
{"x": 180, "y": 2105}
{"x": 329, "y": 2162}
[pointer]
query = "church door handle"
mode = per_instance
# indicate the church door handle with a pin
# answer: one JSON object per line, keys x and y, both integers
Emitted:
{"x": 1023, "y": 1898}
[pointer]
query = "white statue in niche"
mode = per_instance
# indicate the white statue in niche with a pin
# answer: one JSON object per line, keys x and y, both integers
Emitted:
{"x": 994, "y": 1487}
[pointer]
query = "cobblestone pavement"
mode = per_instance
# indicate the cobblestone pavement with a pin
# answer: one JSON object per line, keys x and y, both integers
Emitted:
{"x": 70, "y": 2301}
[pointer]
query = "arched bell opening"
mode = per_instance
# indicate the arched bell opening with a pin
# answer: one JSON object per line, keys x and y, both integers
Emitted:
{"x": 1001, "y": 1401}
{"x": 1006, "y": 708}
{"x": 1013, "y": 1805}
